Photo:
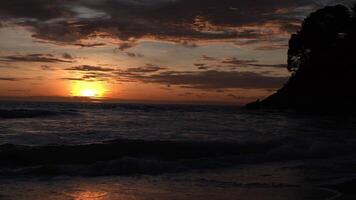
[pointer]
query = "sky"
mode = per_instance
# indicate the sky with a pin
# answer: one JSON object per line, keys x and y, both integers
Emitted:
{"x": 225, "y": 51}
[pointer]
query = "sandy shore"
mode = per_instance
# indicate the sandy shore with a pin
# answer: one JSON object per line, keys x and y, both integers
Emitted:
{"x": 270, "y": 181}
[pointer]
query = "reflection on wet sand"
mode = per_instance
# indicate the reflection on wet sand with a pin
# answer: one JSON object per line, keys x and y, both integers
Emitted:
{"x": 88, "y": 195}
{"x": 261, "y": 182}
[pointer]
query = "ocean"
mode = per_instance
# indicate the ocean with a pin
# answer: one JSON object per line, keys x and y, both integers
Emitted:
{"x": 155, "y": 151}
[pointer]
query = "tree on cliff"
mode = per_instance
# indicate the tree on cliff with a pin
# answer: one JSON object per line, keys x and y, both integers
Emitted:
{"x": 322, "y": 59}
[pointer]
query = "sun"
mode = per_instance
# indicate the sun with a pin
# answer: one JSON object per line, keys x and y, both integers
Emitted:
{"x": 89, "y": 93}
{"x": 88, "y": 89}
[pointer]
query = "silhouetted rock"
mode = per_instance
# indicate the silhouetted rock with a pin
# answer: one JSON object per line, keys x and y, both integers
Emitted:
{"x": 322, "y": 59}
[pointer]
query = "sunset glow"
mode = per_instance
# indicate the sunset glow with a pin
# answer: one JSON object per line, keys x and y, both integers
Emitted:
{"x": 88, "y": 89}
{"x": 84, "y": 49}
{"x": 177, "y": 99}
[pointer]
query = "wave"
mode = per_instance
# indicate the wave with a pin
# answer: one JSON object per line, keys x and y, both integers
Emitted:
{"x": 30, "y": 113}
{"x": 126, "y": 157}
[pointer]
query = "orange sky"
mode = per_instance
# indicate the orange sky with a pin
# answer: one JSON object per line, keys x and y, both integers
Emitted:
{"x": 84, "y": 49}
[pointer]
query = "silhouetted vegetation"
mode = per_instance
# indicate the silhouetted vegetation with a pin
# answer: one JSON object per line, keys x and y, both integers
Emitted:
{"x": 322, "y": 59}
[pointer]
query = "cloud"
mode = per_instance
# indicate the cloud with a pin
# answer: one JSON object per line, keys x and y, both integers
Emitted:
{"x": 205, "y": 80}
{"x": 270, "y": 65}
{"x": 67, "y": 56}
{"x": 9, "y": 79}
{"x": 90, "y": 45}
{"x": 87, "y": 68}
{"x": 45, "y": 58}
{"x": 96, "y": 76}
{"x": 34, "y": 9}
{"x": 271, "y": 47}
{"x": 134, "y": 55}
{"x": 182, "y": 21}
{"x": 73, "y": 79}
{"x": 235, "y": 62}
{"x": 91, "y": 73}
{"x": 208, "y": 58}
{"x": 146, "y": 69}
{"x": 202, "y": 66}
{"x": 212, "y": 79}
{"x": 91, "y": 76}
{"x": 126, "y": 45}
{"x": 187, "y": 44}
{"x": 135, "y": 74}
{"x": 238, "y": 62}
{"x": 199, "y": 64}
{"x": 47, "y": 68}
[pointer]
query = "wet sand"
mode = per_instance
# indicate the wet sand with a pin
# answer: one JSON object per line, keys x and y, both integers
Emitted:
{"x": 274, "y": 181}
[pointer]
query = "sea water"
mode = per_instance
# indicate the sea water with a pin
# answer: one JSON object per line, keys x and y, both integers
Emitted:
{"x": 151, "y": 151}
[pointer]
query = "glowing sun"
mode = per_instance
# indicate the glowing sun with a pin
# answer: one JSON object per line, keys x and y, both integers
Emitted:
{"x": 88, "y": 89}
{"x": 88, "y": 93}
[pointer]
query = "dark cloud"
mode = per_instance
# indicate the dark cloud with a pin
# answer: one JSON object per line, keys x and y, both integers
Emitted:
{"x": 67, "y": 56}
{"x": 47, "y": 68}
{"x": 9, "y": 79}
{"x": 235, "y": 62}
{"x": 271, "y": 65}
{"x": 90, "y": 45}
{"x": 187, "y": 44}
{"x": 134, "y": 55}
{"x": 213, "y": 79}
{"x": 126, "y": 45}
{"x": 146, "y": 69}
{"x": 208, "y": 80}
{"x": 180, "y": 21}
{"x": 208, "y": 58}
{"x": 199, "y": 64}
{"x": 90, "y": 76}
{"x": 91, "y": 73}
{"x": 35, "y": 9}
{"x": 272, "y": 47}
{"x": 90, "y": 68}
{"x": 135, "y": 74}
{"x": 239, "y": 62}
{"x": 290, "y": 27}
{"x": 96, "y": 76}
{"x": 227, "y": 12}
{"x": 73, "y": 79}
{"x": 203, "y": 68}
{"x": 46, "y": 58}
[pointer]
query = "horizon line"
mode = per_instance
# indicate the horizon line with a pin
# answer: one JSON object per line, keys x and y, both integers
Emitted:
{"x": 63, "y": 99}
